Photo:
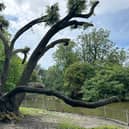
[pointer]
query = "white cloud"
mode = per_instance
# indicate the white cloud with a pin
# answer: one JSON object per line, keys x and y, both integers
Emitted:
{"x": 25, "y": 10}
{"x": 111, "y": 6}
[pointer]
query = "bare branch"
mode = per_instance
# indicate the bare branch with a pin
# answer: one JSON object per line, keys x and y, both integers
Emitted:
{"x": 59, "y": 41}
{"x": 24, "y": 51}
{"x": 91, "y": 12}
{"x": 27, "y": 27}
{"x": 4, "y": 41}
{"x": 67, "y": 100}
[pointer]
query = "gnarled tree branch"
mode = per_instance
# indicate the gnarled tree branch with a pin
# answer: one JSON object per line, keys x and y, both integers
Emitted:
{"x": 65, "y": 41}
{"x": 67, "y": 100}
{"x": 90, "y": 12}
{"x": 27, "y": 27}
{"x": 24, "y": 51}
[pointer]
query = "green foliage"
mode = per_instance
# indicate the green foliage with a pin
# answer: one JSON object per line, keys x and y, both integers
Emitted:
{"x": 117, "y": 56}
{"x": 35, "y": 77}
{"x": 9, "y": 86}
{"x": 54, "y": 78}
{"x": 38, "y": 74}
{"x": 122, "y": 75}
{"x": 77, "y": 5}
{"x": 103, "y": 76}
{"x": 74, "y": 77}
{"x": 32, "y": 111}
{"x": 109, "y": 80}
{"x": 66, "y": 55}
{"x": 96, "y": 46}
{"x": 52, "y": 14}
{"x": 15, "y": 70}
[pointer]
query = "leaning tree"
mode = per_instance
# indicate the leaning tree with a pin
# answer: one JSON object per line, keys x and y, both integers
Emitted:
{"x": 10, "y": 102}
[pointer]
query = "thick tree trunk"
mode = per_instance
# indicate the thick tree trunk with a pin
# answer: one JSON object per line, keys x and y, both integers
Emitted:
{"x": 8, "y": 110}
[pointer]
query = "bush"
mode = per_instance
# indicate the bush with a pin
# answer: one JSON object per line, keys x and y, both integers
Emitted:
{"x": 74, "y": 77}
{"x": 109, "y": 80}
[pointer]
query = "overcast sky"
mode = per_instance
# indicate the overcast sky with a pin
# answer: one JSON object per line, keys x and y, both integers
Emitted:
{"x": 112, "y": 15}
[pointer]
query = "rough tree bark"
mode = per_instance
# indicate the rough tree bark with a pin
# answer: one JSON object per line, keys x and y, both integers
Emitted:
{"x": 11, "y": 101}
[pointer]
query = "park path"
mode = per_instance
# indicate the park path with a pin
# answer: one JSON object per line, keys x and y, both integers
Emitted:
{"x": 51, "y": 120}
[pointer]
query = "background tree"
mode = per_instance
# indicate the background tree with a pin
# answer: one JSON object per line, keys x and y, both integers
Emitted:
{"x": 54, "y": 78}
{"x": 117, "y": 56}
{"x": 97, "y": 46}
{"x": 65, "y": 56}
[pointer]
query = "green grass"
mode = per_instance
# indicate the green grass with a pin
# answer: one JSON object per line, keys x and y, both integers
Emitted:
{"x": 68, "y": 126}
{"x": 33, "y": 111}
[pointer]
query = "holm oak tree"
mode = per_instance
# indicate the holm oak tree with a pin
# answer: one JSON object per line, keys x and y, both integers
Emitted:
{"x": 76, "y": 16}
